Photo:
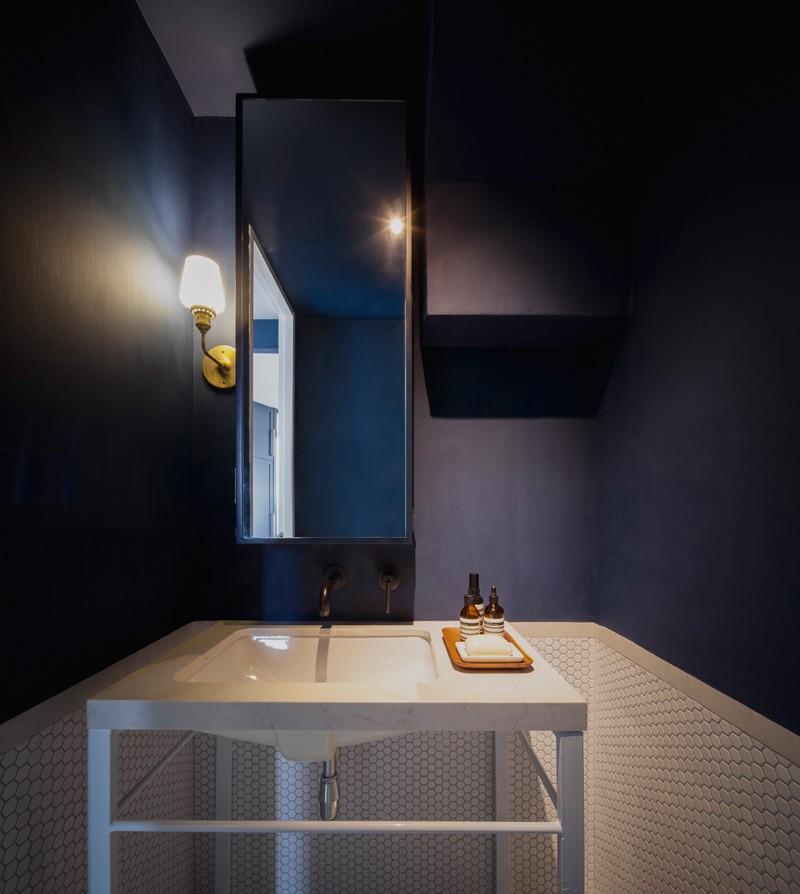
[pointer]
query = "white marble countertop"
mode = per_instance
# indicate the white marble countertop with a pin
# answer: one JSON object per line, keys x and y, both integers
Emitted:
{"x": 458, "y": 699}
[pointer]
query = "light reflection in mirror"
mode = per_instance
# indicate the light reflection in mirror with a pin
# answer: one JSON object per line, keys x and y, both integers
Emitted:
{"x": 272, "y": 469}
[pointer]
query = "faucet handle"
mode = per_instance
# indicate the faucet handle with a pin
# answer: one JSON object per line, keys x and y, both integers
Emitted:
{"x": 388, "y": 580}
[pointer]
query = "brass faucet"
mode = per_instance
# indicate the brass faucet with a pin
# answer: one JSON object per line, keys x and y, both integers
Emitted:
{"x": 335, "y": 577}
{"x": 388, "y": 580}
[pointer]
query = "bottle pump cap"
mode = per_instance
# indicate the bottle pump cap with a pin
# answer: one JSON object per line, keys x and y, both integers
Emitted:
{"x": 473, "y": 582}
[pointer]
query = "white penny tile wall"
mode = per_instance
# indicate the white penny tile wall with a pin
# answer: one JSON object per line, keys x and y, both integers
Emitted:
{"x": 533, "y": 857}
{"x": 43, "y": 811}
{"x": 683, "y": 802}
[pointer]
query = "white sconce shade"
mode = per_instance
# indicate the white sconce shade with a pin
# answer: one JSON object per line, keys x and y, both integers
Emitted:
{"x": 201, "y": 292}
{"x": 201, "y": 284}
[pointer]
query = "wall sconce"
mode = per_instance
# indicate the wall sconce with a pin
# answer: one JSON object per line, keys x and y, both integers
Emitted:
{"x": 201, "y": 292}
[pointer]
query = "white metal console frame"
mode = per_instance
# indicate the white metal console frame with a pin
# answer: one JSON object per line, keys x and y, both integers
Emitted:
{"x": 104, "y": 806}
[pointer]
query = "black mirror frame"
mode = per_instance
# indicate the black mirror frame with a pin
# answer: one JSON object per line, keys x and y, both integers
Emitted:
{"x": 244, "y": 349}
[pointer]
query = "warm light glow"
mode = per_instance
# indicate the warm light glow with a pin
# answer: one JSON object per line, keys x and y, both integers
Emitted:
{"x": 396, "y": 225}
{"x": 201, "y": 284}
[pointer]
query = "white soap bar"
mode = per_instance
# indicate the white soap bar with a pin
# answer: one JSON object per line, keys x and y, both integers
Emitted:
{"x": 488, "y": 644}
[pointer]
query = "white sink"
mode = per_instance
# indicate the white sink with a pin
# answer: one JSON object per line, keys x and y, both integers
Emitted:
{"x": 342, "y": 654}
{"x": 315, "y": 655}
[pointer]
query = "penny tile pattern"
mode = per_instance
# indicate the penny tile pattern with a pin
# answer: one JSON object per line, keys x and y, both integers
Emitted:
{"x": 689, "y": 803}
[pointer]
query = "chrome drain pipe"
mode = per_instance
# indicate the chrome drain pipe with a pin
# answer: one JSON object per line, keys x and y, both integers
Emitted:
{"x": 329, "y": 789}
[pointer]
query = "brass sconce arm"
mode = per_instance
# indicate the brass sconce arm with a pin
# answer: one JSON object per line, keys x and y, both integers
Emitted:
{"x": 222, "y": 362}
{"x": 202, "y": 319}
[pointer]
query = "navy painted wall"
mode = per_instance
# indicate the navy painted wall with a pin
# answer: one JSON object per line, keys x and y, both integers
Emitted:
{"x": 524, "y": 221}
{"x": 349, "y": 410}
{"x": 95, "y": 424}
{"x": 512, "y": 499}
{"x": 698, "y": 527}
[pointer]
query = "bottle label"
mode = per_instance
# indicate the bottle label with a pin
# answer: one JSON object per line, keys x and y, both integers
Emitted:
{"x": 469, "y": 627}
{"x": 493, "y": 625}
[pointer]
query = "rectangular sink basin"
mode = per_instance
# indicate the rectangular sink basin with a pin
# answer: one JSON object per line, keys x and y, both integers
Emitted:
{"x": 309, "y": 689}
{"x": 337, "y": 654}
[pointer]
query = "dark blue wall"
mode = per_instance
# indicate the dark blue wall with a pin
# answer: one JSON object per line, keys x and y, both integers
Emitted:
{"x": 526, "y": 241}
{"x": 349, "y": 414}
{"x": 96, "y": 411}
{"x": 265, "y": 336}
{"x": 698, "y": 481}
{"x": 512, "y": 499}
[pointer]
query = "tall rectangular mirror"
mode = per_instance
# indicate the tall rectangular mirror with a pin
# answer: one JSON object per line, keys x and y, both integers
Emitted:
{"x": 324, "y": 321}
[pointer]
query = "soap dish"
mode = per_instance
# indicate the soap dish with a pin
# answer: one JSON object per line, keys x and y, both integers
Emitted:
{"x": 463, "y": 654}
{"x": 452, "y": 639}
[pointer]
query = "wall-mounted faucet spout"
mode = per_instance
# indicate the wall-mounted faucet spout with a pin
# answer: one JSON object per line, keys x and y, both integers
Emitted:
{"x": 335, "y": 577}
{"x": 388, "y": 580}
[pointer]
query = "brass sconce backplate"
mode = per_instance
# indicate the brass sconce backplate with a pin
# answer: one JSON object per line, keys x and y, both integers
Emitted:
{"x": 221, "y": 374}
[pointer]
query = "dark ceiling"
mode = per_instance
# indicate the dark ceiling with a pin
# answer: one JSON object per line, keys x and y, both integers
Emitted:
{"x": 315, "y": 48}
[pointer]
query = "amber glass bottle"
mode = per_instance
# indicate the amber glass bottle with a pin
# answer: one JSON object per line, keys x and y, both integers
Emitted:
{"x": 470, "y": 622}
{"x": 475, "y": 590}
{"x": 494, "y": 618}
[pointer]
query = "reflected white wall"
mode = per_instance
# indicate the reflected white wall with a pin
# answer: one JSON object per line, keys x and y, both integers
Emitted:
{"x": 265, "y": 380}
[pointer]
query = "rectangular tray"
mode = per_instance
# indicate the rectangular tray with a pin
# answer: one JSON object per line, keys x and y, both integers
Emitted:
{"x": 452, "y": 635}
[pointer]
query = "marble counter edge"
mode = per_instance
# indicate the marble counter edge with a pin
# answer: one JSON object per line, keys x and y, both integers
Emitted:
{"x": 151, "y": 698}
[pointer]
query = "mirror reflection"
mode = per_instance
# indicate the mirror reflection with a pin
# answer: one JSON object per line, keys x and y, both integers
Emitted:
{"x": 324, "y": 298}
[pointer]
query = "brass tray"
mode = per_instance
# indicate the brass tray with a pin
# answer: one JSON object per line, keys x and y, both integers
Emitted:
{"x": 452, "y": 635}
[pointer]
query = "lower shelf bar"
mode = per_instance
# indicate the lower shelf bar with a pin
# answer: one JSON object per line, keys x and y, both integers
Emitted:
{"x": 338, "y": 826}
